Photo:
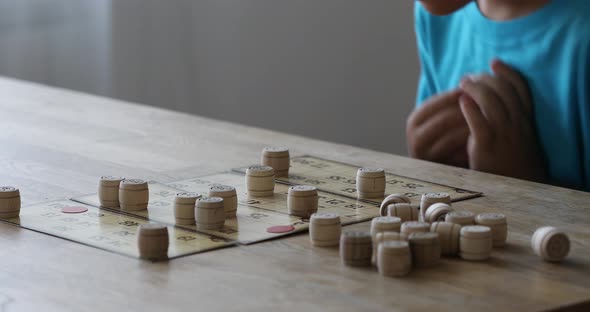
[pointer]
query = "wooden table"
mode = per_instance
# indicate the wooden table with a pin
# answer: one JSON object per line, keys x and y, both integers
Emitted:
{"x": 55, "y": 143}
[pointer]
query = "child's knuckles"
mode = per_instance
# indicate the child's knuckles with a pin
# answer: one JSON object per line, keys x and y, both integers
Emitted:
{"x": 414, "y": 117}
{"x": 478, "y": 91}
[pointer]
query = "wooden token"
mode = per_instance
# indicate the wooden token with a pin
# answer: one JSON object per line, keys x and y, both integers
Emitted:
{"x": 277, "y": 158}
{"x": 414, "y": 227}
{"x": 381, "y": 237}
{"x": 260, "y": 181}
{"x": 498, "y": 224}
{"x": 461, "y": 217}
{"x": 370, "y": 182}
{"x": 385, "y": 224}
{"x": 153, "y": 241}
{"x": 356, "y": 248}
{"x": 209, "y": 213}
{"x": 475, "y": 243}
{"x": 230, "y": 198}
{"x": 302, "y": 200}
{"x": 448, "y": 234}
{"x": 133, "y": 195}
{"x": 9, "y": 202}
{"x": 108, "y": 191}
{"x": 184, "y": 207}
{"x": 394, "y": 258}
{"x": 406, "y": 212}
{"x": 425, "y": 248}
{"x": 433, "y": 198}
{"x": 387, "y": 236}
{"x": 325, "y": 229}
{"x": 437, "y": 212}
{"x": 550, "y": 243}
{"x": 393, "y": 199}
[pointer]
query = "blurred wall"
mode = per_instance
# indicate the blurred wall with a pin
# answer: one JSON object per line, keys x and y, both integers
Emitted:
{"x": 64, "y": 43}
{"x": 340, "y": 70}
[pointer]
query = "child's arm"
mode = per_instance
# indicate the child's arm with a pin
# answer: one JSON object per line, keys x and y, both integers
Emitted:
{"x": 499, "y": 112}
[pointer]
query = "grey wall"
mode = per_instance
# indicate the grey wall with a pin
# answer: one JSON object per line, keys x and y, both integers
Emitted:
{"x": 340, "y": 70}
{"x": 64, "y": 43}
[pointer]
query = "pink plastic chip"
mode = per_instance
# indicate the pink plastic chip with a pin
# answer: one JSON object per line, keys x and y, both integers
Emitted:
{"x": 277, "y": 229}
{"x": 74, "y": 209}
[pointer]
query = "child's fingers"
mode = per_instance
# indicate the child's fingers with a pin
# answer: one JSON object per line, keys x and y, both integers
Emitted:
{"x": 487, "y": 100}
{"x": 433, "y": 105}
{"x": 478, "y": 125}
{"x": 433, "y": 129}
{"x": 458, "y": 158}
{"x": 517, "y": 81}
{"x": 446, "y": 146}
{"x": 505, "y": 91}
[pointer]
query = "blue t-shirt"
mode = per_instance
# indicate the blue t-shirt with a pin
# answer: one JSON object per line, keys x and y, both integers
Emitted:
{"x": 549, "y": 47}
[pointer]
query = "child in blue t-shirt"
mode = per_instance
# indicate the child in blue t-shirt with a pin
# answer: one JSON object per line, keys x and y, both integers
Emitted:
{"x": 505, "y": 88}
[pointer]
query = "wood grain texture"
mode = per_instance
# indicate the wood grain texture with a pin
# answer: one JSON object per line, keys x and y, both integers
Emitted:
{"x": 56, "y": 143}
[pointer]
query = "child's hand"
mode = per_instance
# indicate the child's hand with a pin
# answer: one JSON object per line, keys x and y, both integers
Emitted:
{"x": 499, "y": 112}
{"x": 437, "y": 131}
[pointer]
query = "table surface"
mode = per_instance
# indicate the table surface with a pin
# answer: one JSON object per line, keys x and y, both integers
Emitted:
{"x": 55, "y": 143}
